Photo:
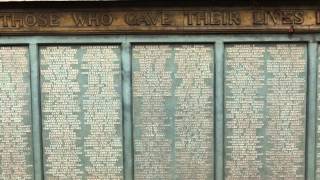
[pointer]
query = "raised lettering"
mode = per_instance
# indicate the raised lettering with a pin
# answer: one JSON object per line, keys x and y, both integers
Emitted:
{"x": 54, "y": 20}
{"x": 79, "y": 20}
{"x": 30, "y": 20}
{"x": 298, "y": 17}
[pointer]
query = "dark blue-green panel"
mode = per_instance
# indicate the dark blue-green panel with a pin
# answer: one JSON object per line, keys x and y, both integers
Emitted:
{"x": 173, "y": 114}
{"x": 81, "y": 111}
{"x": 265, "y": 110}
{"x": 16, "y": 148}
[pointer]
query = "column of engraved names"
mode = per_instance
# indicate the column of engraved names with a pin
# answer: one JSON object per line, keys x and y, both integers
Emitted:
{"x": 82, "y": 116}
{"x": 281, "y": 112}
{"x": 151, "y": 88}
{"x": 61, "y": 112}
{"x": 102, "y": 114}
{"x": 285, "y": 105}
{"x": 15, "y": 119}
{"x": 244, "y": 103}
{"x": 194, "y": 113}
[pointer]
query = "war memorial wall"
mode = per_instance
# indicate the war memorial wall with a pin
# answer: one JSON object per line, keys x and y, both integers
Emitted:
{"x": 157, "y": 93}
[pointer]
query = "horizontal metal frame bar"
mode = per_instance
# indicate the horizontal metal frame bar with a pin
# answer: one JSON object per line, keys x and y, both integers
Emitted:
{"x": 118, "y": 39}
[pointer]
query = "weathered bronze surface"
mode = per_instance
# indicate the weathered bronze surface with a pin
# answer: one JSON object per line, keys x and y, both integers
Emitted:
{"x": 216, "y": 106}
{"x": 81, "y": 107}
{"x": 173, "y": 111}
{"x": 265, "y": 92}
{"x": 157, "y": 20}
{"x": 16, "y": 153}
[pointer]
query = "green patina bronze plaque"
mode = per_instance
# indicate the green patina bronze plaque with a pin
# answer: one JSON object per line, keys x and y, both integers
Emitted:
{"x": 160, "y": 107}
{"x": 16, "y": 155}
{"x": 265, "y": 111}
{"x": 81, "y": 112}
{"x": 173, "y": 132}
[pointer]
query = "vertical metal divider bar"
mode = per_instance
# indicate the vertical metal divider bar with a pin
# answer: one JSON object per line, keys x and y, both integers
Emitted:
{"x": 127, "y": 110}
{"x": 219, "y": 110}
{"x": 36, "y": 112}
{"x": 311, "y": 111}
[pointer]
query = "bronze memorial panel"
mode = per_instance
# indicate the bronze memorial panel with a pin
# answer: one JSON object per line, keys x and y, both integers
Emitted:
{"x": 265, "y": 109}
{"x": 81, "y": 111}
{"x": 158, "y": 92}
{"x": 16, "y": 152}
{"x": 173, "y": 111}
